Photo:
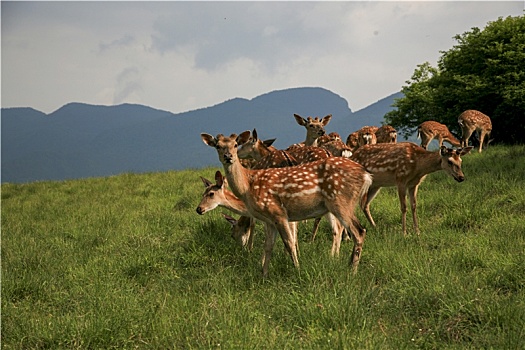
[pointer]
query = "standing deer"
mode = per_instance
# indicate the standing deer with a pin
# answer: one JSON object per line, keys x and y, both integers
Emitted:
{"x": 472, "y": 120}
{"x": 333, "y": 144}
{"x": 405, "y": 165}
{"x": 430, "y": 129}
{"x": 314, "y": 128}
{"x": 277, "y": 196}
{"x": 366, "y": 135}
{"x": 386, "y": 134}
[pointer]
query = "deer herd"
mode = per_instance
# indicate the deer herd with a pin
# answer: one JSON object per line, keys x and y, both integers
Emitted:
{"x": 326, "y": 177}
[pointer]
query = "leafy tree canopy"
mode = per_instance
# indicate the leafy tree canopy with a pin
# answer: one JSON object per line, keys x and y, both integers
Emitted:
{"x": 485, "y": 71}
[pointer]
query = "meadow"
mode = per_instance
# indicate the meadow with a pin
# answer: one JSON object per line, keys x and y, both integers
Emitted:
{"x": 125, "y": 262}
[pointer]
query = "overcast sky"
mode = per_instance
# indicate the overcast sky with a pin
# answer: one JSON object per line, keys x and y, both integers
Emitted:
{"x": 179, "y": 56}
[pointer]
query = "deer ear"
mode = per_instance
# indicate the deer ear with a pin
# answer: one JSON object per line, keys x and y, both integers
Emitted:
{"x": 269, "y": 142}
{"x": 208, "y": 139}
{"x": 300, "y": 120}
{"x": 326, "y": 119}
{"x": 219, "y": 180}
{"x": 243, "y": 137}
{"x": 464, "y": 151}
{"x": 207, "y": 183}
{"x": 229, "y": 219}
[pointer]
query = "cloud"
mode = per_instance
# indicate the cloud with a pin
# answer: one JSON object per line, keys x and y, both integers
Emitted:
{"x": 124, "y": 41}
{"x": 127, "y": 86}
{"x": 182, "y": 55}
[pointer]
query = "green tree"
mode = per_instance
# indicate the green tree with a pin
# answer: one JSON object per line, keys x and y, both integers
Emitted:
{"x": 484, "y": 71}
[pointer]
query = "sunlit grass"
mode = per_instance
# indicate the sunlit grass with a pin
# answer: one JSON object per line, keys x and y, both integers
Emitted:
{"x": 125, "y": 262}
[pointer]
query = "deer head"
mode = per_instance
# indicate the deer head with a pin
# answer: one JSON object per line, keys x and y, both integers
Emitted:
{"x": 451, "y": 161}
{"x": 314, "y": 127}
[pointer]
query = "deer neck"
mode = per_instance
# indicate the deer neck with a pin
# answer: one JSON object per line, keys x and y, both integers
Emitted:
{"x": 311, "y": 141}
{"x": 238, "y": 177}
{"x": 261, "y": 152}
{"x": 429, "y": 162}
{"x": 234, "y": 204}
{"x": 453, "y": 140}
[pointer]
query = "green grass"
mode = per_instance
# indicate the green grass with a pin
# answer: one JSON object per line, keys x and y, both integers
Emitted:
{"x": 125, "y": 262}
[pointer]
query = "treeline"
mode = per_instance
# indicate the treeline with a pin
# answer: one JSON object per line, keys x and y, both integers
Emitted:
{"x": 484, "y": 71}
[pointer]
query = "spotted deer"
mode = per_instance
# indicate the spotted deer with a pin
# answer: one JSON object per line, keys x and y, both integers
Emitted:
{"x": 294, "y": 155}
{"x": 333, "y": 144}
{"x": 386, "y": 134}
{"x": 429, "y": 130}
{"x": 472, "y": 120}
{"x": 367, "y": 136}
{"x": 314, "y": 127}
{"x": 277, "y": 196}
{"x": 405, "y": 165}
{"x": 265, "y": 156}
{"x": 352, "y": 141}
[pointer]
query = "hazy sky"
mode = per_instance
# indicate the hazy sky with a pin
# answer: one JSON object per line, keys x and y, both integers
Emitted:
{"x": 178, "y": 56}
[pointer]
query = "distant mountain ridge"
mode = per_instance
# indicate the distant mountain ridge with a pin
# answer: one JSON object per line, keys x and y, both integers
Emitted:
{"x": 81, "y": 140}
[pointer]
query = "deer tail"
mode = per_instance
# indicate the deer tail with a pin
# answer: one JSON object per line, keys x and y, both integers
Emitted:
{"x": 363, "y": 194}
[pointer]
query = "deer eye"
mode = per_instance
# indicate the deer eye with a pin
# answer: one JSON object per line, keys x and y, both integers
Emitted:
{"x": 211, "y": 194}
{"x": 450, "y": 162}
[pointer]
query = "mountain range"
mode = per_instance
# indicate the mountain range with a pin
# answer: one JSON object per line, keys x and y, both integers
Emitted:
{"x": 81, "y": 140}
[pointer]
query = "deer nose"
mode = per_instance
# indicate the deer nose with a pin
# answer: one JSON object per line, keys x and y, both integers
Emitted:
{"x": 228, "y": 157}
{"x": 460, "y": 178}
{"x": 200, "y": 211}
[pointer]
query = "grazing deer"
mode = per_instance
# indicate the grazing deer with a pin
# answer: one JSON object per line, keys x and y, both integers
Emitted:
{"x": 314, "y": 128}
{"x": 280, "y": 195}
{"x": 430, "y": 129}
{"x": 405, "y": 165}
{"x": 386, "y": 134}
{"x": 218, "y": 195}
{"x": 472, "y": 120}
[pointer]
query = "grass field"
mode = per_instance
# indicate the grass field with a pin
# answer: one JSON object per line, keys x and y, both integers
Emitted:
{"x": 125, "y": 262}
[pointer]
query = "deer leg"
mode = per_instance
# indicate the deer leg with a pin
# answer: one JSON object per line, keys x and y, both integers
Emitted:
{"x": 466, "y": 135}
{"x": 337, "y": 232}
{"x": 251, "y": 234}
{"x": 271, "y": 233}
{"x": 289, "y": 237}
{"x": 316, "y": 227}
{"x": 293, "y": 227}
{"x": 401, "y": 190}
{"x": 358, "y": 236}
{"x": 372, "y": 192}
{"x": 481, "y": 139}
{"x": 412, "y": 192}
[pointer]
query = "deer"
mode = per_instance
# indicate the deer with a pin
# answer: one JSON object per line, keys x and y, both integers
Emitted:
{"x": 386, "y": 134}
{"x": 472, "y": 120}
{"x": 352, "y": 141}
{"x": 265, "y": 156}
{"x": 314, "y": 128}
{"x": 333, "y": 144}
{"x": 278, "y": 196}
{"x": 405, "y": 165}
{"x": 294, "y": 155}
{"x": 218, "y": 195}
{"x": 429, "y": 130}
{"x": 365, "y": 136}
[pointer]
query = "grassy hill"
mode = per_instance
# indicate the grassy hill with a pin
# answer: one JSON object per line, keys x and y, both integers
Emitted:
{"x": 125, "y": 262}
